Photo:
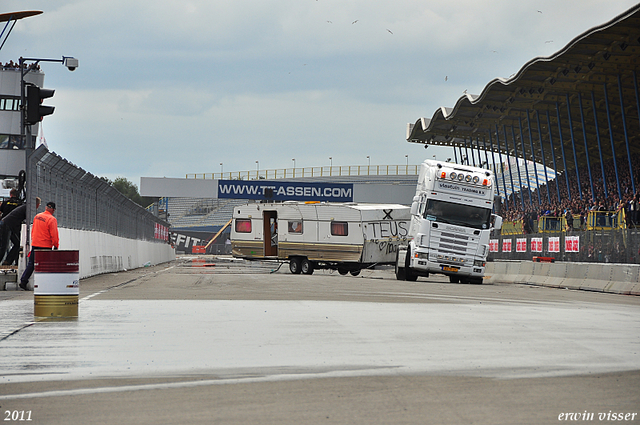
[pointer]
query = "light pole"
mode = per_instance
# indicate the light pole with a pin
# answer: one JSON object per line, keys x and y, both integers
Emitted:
{"x": 369, "y": 159}
{"x": 221, "y": 170}
{"x": 294, "y": 166}
{"x": 407, "y": 158}
{"x": 25, "y": 129}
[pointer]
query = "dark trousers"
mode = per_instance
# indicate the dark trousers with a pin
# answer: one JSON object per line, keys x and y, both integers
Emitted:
{"x": 12, "y": 256}
{"x": 4, "y": 239}
{"x": 29, "y": 270}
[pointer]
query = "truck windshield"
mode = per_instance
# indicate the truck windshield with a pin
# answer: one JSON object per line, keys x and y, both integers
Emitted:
{"x": 458, "y": 214}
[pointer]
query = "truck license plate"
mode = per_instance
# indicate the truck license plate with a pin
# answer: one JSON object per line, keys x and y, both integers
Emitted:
{"x": 449, "y": 269}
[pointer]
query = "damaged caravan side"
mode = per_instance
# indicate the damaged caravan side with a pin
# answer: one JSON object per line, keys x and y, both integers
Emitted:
{"x": 344, "y": 237}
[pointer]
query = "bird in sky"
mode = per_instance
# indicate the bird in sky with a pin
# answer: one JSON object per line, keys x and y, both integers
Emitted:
{"x": 355, "y": 21}
{"x": 389, "y": 31}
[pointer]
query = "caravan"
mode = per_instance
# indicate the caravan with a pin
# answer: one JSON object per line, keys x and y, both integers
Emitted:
{"x": 346, "y": 237}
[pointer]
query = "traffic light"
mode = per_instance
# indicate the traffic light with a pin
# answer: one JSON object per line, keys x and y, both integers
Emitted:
{"x": 35, "y": 109}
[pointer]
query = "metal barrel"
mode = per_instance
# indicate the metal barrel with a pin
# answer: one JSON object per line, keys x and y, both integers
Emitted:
{"x": 56, "y": 284}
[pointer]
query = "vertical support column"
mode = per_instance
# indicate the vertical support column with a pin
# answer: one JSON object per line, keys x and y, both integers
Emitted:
{"x": 564, "y": 160}
{"x": 613, "y": 148}
{"x": 544, "y": 161}
{"x": 626, "y": 136}
{"x": 486, "y": 157}
{"x": 553, "y": 155}
{"x": 504, "y": 183}
{"x": 506, "y": 145}
{"x": 493, "y": 157}
{"x": 533, "y": 155}
{"x": 524, "y": 157}
{"x": 515, "y": 152}
{"x": 586, "y": 149}
{"x": 573, "y": 145}
{"x": 455, "y": 154}
{"x": 595, "y": 119}
{"x": 466, "y": 149}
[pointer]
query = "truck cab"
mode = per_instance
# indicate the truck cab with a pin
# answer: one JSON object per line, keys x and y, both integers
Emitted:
{"x": 451, "y": 221}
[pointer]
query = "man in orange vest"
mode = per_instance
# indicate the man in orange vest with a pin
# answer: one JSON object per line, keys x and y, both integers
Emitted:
{"x": 44, "y": 235}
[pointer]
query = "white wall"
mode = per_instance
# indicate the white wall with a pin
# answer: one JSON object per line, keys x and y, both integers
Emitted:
{"x": 104, "y": 253}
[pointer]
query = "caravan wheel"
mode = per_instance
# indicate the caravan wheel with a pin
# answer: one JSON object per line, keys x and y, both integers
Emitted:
{"x": 294, "y": 265}
{"x": 306, "y": 266}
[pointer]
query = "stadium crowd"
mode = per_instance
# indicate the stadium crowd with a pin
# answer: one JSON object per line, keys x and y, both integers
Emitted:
{"x": 575, "y": 205}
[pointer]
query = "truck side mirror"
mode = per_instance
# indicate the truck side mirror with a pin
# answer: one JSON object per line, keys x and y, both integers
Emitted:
{"x": 497, "y": 222}
{"x": 414, "y": 205}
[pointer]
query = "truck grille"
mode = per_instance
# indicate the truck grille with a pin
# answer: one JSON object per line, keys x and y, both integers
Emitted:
{"x": 449, "y": 245}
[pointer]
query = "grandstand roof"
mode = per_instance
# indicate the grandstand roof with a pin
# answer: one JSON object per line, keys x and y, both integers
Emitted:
{"x": 595, "y": 66}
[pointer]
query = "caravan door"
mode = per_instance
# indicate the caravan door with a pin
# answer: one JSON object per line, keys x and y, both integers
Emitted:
{"x": 270, "y": 231}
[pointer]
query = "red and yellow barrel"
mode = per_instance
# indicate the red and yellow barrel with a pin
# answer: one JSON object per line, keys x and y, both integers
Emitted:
{"x": 56, "y": 284}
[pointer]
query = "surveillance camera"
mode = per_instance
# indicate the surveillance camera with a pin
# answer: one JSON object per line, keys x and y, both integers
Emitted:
{"x": 71, "y": 63}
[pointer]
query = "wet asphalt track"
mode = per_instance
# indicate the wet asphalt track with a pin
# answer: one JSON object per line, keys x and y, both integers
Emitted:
{"x": 194, "y": 332}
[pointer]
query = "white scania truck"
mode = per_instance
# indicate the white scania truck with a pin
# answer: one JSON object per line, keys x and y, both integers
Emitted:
{"x": 451, "y": 219}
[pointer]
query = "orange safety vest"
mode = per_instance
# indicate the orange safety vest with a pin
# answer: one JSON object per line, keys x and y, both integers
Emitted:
{"x": 44, "y": 232}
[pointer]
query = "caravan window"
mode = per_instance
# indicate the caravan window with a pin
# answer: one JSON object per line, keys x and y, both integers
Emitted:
{"x": 243, "y": 225}
{"x": 339, "y": 228}
{"x": 295, "y": 227}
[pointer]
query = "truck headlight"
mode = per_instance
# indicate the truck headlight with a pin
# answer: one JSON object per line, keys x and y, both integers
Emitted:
{"x": 478, "y": 263}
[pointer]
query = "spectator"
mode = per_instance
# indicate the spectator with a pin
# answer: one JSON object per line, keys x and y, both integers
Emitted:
{"x": 44, "y": 235}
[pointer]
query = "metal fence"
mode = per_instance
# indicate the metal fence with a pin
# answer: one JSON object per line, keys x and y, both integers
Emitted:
{"x": 326, "y": 171}
{"x": 86, "y": 202}
{"x": 598, "y": 246}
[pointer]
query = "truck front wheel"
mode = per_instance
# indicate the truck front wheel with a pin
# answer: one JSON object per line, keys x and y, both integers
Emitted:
{"x": 400, "y": 275}
{"x": 408, "y": 273}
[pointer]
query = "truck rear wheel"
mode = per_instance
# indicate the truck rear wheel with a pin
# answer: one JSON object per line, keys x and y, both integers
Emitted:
{"x": 306, "y": 266}
{"x": 354, "y": 272}
{"x": 294, "y": 265}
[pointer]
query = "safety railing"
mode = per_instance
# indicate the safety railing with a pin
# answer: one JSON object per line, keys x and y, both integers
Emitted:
{"x": 328, "y": 171}
{"x": 606, "y": 220}
{"x": 596, "y": 220}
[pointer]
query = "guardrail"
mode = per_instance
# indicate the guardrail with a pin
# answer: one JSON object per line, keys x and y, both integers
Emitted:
{"x": 596, "y": 220}
{"x": 328, "y": 171}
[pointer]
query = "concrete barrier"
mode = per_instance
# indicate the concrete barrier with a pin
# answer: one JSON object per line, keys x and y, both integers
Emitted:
{"x": 103, "y": 253}
{"x": 613, "y": 278}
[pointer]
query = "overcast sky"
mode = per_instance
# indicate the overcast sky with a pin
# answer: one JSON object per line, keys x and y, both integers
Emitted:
{"x": 167, "y": 88}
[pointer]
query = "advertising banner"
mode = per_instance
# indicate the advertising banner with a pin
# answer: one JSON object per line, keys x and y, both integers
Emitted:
{"x": 536, "y": 244}
{"x": 554, "y": 244}
{"x": 506, "y": 245}
{"x": 572, "y": 244}
{"x": 493, "y": 245}
{"x": 285, "y": 191}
